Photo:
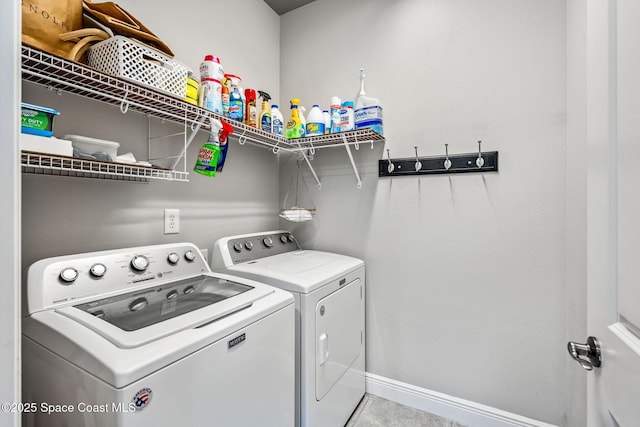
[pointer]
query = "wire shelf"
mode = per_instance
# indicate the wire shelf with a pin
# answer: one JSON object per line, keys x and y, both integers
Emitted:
{"x": 45, "y": 164}
{"x": 60, "y": 74}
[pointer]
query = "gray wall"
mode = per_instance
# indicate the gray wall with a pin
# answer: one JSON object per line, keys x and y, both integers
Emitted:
{"x": 474, "y": 280}
{"x": 466, "y": 274}
{"x": 70, "y": 215}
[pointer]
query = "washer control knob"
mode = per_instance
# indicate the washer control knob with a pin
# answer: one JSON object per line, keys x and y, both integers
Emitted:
{"x": 188, "y": 290}
{"x": 190, "y": 256}
{"x": 139, "y": 263}
{"x": 248, "y": 245}
{"x": 267, "y": 242}
{"x": 99, "y": 314}
{"x": 138, "y": 304}
{"x": 237, "y": 246}
{"x": 173, "y": 258}
{"x": 68, "y": 275}
{"x": 98, "y": 270}
{"x": 283, "y": 238}
{"x": 172, "y": 294}
{"x": 290, "y": 237}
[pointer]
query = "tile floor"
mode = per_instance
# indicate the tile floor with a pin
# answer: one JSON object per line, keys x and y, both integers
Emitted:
{"x": 375, "y": 411}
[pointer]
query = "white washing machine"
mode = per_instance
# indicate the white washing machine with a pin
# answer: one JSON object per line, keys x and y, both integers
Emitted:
{"x": 149, "y": 336}
{"x": 329, "y": 291}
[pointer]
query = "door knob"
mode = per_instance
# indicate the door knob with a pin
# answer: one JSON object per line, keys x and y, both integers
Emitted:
{"x": 587, "y": 355}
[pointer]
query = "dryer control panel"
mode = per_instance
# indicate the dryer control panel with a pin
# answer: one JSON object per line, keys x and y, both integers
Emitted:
{"x": 249, "y": 247}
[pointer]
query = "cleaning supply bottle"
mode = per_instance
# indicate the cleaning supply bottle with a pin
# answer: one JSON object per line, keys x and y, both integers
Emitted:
{"x": 236, "y": 106}
{"x": 347, "y": 119}
{"x": 264, "y": 119}
{"x": 210, "y": 91}
{"x": 226, "y": 82}
{"x": 244, "y": 100}
{"x": 277, "y": 121}
{"x": 334, "y": 110}
{"x": 368, "y": 112}
{"x": 224, "y": 147}
{"x": 211, "y": 95}
{"x": 250, "y": 110}
{"x": 315, "y": 121}
{"x": 327, "y": 121}
{"x": 295, "y": 128}
{"x": 207, "y": 160}
{"x": 302, "y": 113}
{"x": 211, "y": 68}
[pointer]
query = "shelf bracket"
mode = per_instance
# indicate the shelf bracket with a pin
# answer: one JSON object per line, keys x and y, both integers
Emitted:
{"x": 190, "y": 138}
{"x": 313, "y": 172}
{"x": 353, "y": 163}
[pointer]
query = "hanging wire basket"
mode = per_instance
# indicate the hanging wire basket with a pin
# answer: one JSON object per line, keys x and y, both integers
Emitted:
{"x": 295, "y": 213}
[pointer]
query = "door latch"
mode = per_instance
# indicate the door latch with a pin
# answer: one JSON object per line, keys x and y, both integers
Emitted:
{"x": 587, "y": 355}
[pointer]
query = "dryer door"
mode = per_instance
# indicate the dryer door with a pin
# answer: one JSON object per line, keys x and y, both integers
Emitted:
{"x": 338, "y": 335}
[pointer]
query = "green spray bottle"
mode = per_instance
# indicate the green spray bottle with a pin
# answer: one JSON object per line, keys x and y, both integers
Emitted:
{"x": 207, "y": 160}
{"x": 295, "y": 128}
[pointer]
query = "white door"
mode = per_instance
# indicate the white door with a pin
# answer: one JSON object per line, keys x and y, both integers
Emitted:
{"x": 613, "y": 216}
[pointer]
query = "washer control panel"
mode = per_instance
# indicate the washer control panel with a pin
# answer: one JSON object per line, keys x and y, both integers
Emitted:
{"x": 255, "y": 246}
{"x": 66, "y": 279}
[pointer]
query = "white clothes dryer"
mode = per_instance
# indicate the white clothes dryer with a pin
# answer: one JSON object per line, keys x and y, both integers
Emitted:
{"x": 329, "y": 292}
{"x": 149, "y": 336}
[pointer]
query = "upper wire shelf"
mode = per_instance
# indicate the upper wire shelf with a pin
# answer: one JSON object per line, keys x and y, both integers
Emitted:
{"x": 62, "y": 75}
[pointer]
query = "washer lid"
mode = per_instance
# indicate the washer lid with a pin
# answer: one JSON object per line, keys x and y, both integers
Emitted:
{"x": 145, "y": 315}
{"x": 299, "y": 271}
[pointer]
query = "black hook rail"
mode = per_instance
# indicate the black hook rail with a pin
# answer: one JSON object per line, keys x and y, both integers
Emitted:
{"x": 460, "y": 163}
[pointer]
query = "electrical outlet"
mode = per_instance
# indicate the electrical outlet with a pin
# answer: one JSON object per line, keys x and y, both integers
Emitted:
{"x": 171, "y": 221}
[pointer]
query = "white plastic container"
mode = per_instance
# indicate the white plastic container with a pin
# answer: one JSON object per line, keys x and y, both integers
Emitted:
{"x": 327, "y": 121}
{"x": 315, "y": 121}
{"x": 347, "y": 118}
{"x": 94, "y": 147}
{"x": 211, "y": 68}
{"x": 210, "y": 96}
{"x": 277, "y": 120}
{"x": 368, "y": 112}
{"x": 335, "y": 114}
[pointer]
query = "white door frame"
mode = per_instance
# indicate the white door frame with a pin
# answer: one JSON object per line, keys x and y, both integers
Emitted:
{"x": 602, "y": 218}
{"x": 10, "y": 235}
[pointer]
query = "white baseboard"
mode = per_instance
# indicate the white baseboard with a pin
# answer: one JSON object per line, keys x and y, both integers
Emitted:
{"x": 463, "y": 411}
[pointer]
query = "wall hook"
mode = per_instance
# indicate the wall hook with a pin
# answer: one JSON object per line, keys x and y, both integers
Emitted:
{"x": 242, "y": 139}
{"x": 391, "y": 167}
{"x": 124, "y": 105}
{"x": 447, "y": 160}
{"x": 418, "y": 164}
{"x": 275, "y": 148}
{"x": 480, "y": 160}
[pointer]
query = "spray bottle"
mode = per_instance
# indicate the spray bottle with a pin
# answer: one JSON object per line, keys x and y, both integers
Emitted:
{"x": 294, "y": 124}
{"x": 225, "y": 95}
{"x": 224, "y": 147}
{"x": 236, "y": 106}
{"x": 250, "y": 114}
{"x": 207, "y": 160}
{"x": 264, "y": 120}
